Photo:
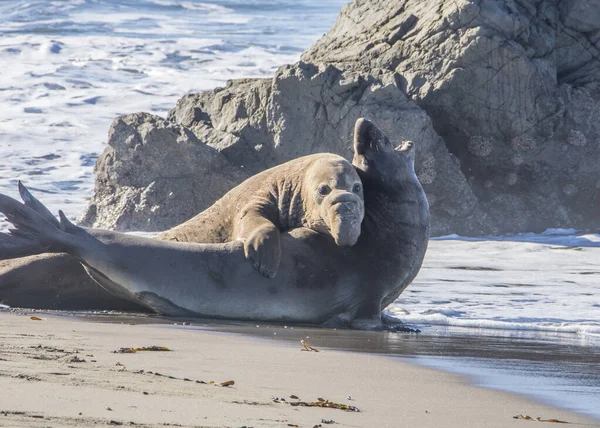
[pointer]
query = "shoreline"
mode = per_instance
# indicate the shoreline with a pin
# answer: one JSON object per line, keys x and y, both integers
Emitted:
{"x": 557, "y": 369}
{"x": 44, "y": 384}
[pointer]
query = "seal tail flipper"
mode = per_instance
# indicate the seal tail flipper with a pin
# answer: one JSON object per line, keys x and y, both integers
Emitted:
{"x": 33, "y": 232}
{"x": 32, "y": 202}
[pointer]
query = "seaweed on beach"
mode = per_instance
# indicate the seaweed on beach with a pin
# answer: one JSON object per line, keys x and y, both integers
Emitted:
{"x": 225, "y": 384}
{"x": 144, "y": 348}
{"x": 400, "y": 329}
{"x": 307, "y": 347}
{"x": 539, "y": 419}
{"x": 321, "y": 402}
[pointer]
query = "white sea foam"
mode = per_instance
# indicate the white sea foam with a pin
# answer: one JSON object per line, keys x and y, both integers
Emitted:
{"x": 536, "y": 282}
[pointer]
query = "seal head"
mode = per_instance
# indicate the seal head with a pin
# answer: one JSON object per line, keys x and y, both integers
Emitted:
{"x": 377, "y": 160}
{"x": 336, "y": 196}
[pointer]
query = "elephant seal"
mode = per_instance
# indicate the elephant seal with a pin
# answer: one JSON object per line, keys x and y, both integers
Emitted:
{"x": 318, "y": 281}
{"x": 321, "y": 192}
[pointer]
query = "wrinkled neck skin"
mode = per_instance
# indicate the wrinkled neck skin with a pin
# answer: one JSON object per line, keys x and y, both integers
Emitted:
{"x": 312, "y": 212}
{"x": 292, "y": 210}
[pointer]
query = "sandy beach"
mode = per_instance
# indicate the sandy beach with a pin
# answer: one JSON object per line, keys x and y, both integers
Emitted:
{"x": 62, "y": 371}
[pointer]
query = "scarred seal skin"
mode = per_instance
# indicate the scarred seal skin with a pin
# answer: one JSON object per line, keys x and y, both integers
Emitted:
{"x": 318, "y": 281}
{"x": 321, "y": 192}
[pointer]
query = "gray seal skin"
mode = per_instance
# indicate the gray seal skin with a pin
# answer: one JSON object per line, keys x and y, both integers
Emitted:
{"x": 321, "y": 192}
{"x": 318, "y": 282}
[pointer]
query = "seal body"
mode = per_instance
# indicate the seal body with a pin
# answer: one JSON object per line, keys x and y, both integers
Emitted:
{"x": 321, "y": 192}
{"x": 318, "y": 282}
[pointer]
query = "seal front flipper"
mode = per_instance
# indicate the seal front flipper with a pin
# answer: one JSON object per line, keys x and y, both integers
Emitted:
{"x": 372, "y": 323}
{"x": 260, "y": 236}
{"x": 262, "y": 247}
{"x": 368, "y": 314}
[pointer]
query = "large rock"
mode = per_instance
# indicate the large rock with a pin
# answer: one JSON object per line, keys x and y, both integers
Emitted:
{"x": 155, "y": 174}
{"x": 308, "y": 109}
{"x": 511, "y": 87}
{"x": 501, "y": 97}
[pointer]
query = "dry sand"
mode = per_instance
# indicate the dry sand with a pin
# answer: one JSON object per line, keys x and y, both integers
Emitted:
{"x": 61, "y": 371}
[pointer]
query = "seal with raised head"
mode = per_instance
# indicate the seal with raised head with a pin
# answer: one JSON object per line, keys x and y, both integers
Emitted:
{"x": 318, "y": 282}
{"x": 321, "y": 192}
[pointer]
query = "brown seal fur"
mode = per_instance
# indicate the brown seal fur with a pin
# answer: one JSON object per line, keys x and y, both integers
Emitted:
{"x": 321, "y": 192}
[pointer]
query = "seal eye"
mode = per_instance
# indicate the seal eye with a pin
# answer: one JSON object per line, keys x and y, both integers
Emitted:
{"x": 356, "y": 188}
{"x": 324, "y": 190}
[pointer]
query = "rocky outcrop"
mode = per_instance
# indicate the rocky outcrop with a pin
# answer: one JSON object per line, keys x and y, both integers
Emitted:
{"x": 511, "y": 87}
{"x": 155, "y": 174}
{"x": 308, "y": 109}
{"x": 501, "y": 97}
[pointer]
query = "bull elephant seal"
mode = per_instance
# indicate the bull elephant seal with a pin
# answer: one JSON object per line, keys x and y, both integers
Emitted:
{"x": 321, "y": 192}
{"x": 318, "y": 281}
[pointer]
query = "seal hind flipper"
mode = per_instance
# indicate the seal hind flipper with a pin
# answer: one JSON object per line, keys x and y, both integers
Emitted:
{"x": 33, "y": 234}
{"x": 65, "y": 224}
{"x": 32, "y": 202}
{"x": 28, "y": 222}
{"x": 28, "y": 217}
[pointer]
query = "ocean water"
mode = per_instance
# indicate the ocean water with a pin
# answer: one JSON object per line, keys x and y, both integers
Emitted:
{"x": 574, "y": 386}
{"x": 547, "y": 282}
{"x": 71, "y": 66}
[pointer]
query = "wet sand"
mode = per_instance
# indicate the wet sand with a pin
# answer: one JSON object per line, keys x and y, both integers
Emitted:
{"x": 559, "y": 369}
{"x": 61, "y": 371}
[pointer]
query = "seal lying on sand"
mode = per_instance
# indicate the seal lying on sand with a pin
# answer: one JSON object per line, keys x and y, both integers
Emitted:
{"x": 321, "y": 192}
{"x": 318, "y": 282}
